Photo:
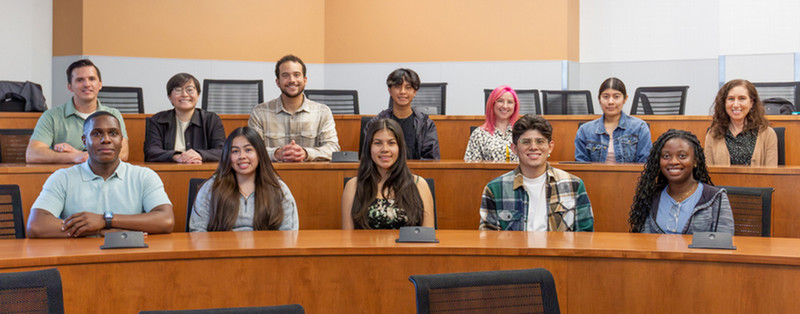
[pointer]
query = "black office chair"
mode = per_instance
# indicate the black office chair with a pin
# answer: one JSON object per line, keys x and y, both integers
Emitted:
{"x": 752, "y": 209}
{"x": 37, "y": 291}
{"x": 14, "y": 144}
{"x": 660, "y": 100}
{"x": 431, "y": 98}
{"x": 786, "y": 90}
{"x": 11, "y": 223}
{"x": 504, "y": 291}
{"x": 124, "y": 99}
{"x": 567, "y": 102}
{"x": 276, "y": 309}
{"x": 528, "y": 100}
{"x": 364, "y": 121}
{"x": 432, "y": 187}
{"x": 194, "y": 186}
{"x": 781, "y": 134}
{"x": 232, "y": 96}
{"x": 340, "y": 101}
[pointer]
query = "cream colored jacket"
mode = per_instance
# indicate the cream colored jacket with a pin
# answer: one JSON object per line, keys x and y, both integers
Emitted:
{"x": 764, "y": 154}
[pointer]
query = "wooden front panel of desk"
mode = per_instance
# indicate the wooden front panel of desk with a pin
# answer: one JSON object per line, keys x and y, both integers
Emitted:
{"x": 453, "y": 131}
{"x": 365, "y": 271}
{"x": 317, "y": 189}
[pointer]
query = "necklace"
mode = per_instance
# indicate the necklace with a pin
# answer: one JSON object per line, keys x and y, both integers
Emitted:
{"x": 686, "y": 194}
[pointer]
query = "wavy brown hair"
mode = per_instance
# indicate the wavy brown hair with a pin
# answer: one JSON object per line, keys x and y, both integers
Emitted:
{"x": 400, "y": 181}
{"x": 755, "y": 119}
{"x": 652, "y": 181}
{"x": 225, "y": 194}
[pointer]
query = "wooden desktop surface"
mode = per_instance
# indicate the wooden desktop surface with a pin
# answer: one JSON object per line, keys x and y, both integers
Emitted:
{"x": 453, "y": 131}
{"x": 332, "y": 271}
{"x": 317, "y": 188}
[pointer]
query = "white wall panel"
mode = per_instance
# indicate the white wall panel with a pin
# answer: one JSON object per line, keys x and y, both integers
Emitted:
{"x": 26, "y": 34}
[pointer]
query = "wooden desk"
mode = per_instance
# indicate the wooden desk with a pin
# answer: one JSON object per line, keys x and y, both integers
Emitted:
{"x": 331, "y": 271}
{"x": 453, "y": 131}
{"x": 317, "y": 188}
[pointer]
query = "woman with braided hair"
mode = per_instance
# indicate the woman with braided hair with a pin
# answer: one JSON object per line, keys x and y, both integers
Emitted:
{"x": 675, "y": 193}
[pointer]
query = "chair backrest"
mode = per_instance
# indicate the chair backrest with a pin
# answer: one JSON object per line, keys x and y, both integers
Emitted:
{"x": 752, "y": 208}
{"x": 568, "y": 102}
{"x": 194, "y": 186}
{"x": 512, "y": 291}
{"x": 37, "y": 291}
{"x": 13, "y": 144}
{"x": 363, "y": 129}
{"x": 431, "y": 98}
{"x": 275, "y": 309}
{"x": 340, "y": 101}
{"x": 786, "y": 90}
{"x": 12, "y": 225}
{"x": 661, "y": 100}
{"x": 529, "y": 102}
{"x": 781, "y": 133}
{"x": 124, "y": 99}
{"x": 432, "y": 187}
{"x": 232, "y": 96}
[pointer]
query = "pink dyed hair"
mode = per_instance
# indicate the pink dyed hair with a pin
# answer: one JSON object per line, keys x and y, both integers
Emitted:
{"x": 496, "y": 93}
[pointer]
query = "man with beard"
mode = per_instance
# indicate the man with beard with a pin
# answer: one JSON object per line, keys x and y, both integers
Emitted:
{"x": 293, "y": 127}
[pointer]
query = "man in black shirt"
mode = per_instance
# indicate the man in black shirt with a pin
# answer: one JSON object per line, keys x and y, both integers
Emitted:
{"x": 418, "y": 130}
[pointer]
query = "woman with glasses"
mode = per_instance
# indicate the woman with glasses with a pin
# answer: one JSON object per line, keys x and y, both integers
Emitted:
{"x": 614, "y": 137}
{"x": 492, "y": 140}
{"x": 184, "y": 134}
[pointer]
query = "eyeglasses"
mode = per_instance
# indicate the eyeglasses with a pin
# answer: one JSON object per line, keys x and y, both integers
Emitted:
{"x": 539, "y": 141}
{"x": 501, "y": 102}
{"x": 191, "y": 90}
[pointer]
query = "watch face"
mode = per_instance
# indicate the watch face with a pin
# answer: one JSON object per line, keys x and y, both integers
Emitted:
{"x": 108, "y": 215}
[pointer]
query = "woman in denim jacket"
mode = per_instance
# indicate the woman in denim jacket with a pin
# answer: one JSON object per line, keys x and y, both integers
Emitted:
{"x": 615, "y": 137}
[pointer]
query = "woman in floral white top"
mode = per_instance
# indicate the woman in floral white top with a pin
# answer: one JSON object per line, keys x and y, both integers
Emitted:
{"x": 492, "y": 140}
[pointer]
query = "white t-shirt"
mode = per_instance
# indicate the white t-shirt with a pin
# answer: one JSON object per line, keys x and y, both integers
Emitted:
{"x": 537, "y": 207}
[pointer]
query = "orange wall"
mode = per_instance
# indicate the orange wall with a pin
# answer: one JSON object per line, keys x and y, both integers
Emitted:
{"x": 242, "y": 30}
{"x": 320, "y": 31}
{"x": 447, "y": 30}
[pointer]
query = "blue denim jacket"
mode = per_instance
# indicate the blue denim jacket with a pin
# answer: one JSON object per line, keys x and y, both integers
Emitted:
{"x": 631, "y": 140}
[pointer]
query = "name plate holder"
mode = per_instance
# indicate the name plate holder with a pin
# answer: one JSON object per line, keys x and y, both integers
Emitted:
{"x": 123, "y": 240}
{"x": 417, "y": 235}
{"x": 712, "y": 240}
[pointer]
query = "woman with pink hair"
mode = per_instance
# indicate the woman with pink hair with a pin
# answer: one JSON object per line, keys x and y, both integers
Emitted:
{"x": 492, "y": 140}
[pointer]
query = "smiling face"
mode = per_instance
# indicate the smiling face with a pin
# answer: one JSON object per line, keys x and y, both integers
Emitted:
{"x": 504, "y": 107}
{"x": 533, "y": 149}
{"x": 402, "y": 94}
{"x": 104, "y": 139}
{"x": 244, "y": 159}
{"x": 677, "y": 161}
{"x": 611, "y": 102}
{"x": 85, "y": 84}
{"x": 290, "y": 79}
{"x": 384, "y": 149}
{"x": 184, "y": 98}
{"x": 738, "y": 104}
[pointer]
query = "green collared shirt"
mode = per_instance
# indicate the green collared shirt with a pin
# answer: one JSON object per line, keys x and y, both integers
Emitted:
{"x": 62, "y": 124}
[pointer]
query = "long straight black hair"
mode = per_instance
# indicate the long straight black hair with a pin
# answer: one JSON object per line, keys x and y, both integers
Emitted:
{"x": 224, "y": 203}
{"x": 400, "y": 181}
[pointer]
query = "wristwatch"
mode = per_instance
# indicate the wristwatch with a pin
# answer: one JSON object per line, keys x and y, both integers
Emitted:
{"x": 108, "y": 216}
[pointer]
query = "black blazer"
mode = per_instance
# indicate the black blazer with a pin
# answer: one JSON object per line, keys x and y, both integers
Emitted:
{"x": 205, "y": 134}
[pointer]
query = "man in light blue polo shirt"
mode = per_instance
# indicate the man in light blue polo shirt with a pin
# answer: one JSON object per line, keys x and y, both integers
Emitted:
{"x": 57, "y": 136}
{"x": 102, "y": 194}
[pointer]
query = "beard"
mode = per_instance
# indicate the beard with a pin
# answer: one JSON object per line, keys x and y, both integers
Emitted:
{"x": 287, "y": 94}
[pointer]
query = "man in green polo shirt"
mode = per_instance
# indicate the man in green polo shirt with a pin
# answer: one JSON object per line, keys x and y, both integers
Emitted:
{"x": 57, "y": 136}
